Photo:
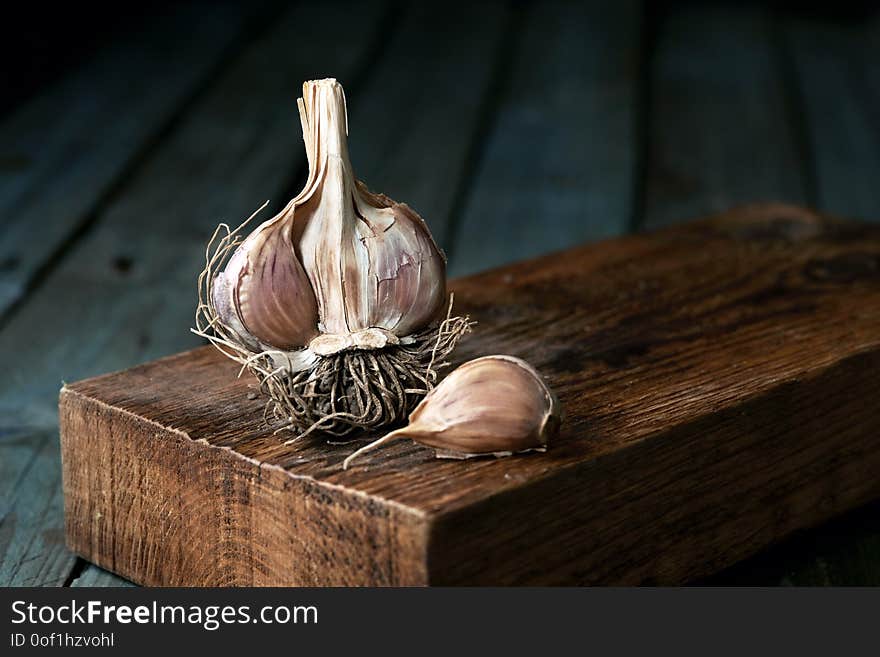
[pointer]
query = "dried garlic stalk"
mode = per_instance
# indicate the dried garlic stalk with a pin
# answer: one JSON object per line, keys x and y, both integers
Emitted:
{"x": 338, "y": 304}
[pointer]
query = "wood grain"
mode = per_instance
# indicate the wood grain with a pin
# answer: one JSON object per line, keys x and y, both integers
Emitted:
{"x": 63, "y": 152}
{"x": 723, "y": 129}
{"x": 715, "y": 377}
{"x": 558, "y": 165}
{"x": 837, "y": 69}
{"x": 837, "y": 90}
{"x": 92, "y": 576}
{"x": 32, "y": 551}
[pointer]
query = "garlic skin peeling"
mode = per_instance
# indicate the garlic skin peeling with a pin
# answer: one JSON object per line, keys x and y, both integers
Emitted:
{"x": 340, "y": 267}
{"x": 495, "y": 405}
{"x": 337, "y": 304}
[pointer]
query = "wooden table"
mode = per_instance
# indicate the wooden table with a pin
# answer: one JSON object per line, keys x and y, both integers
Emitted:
{"x": 541, "y": 127}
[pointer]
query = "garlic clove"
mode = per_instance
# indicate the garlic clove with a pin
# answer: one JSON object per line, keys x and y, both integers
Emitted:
{"x": 492, "y": 405}
{"x": 409, "y": 268}
{"x": 265, "y": 291}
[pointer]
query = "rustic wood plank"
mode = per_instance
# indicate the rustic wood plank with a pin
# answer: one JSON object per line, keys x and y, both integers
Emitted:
{"x": 837, "y": 66}
{"x": 716, "y": 379}
{"x": 310, "y": 525}
{"x": 126, "y": 290}
{"x": 721, "y": 127}
{"x": 18, "y": 452}
{"x": 838, "y": 86}
{"x": 559, "y": 160}
{"x": 63, "y": 151}
{"x": 93, "y": 576}
{"x": 415, "y": 121}
{"x": 842, "y": 552}
{"x": 32, "y": 551}
{"x": 22, "y": 451}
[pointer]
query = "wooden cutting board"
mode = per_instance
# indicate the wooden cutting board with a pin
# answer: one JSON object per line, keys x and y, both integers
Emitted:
{"x": 721, "y": 388}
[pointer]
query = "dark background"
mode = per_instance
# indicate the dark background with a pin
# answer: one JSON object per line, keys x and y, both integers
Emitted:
{"x": 515, "y": 128}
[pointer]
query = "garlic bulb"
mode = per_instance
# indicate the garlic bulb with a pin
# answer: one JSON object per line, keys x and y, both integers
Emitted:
{"x": 495, "y": 405}
{"x": 337, "y": 303}
{"x": 339, "y": 267}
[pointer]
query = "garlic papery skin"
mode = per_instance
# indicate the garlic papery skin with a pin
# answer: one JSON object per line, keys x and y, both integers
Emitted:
{"x": 495, "y": 405}
{"x": 264, "y": 293}
{"x": 338, "y": 303}
{"x": 372, "y": 262}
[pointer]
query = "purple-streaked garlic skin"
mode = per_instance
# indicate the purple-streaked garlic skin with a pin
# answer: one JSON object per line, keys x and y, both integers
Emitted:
{"x": 372, "y": 262}
{"x": 266, "y": 291}
{"x": 488, "y": 405}
{"x": 410, "y": 271}
{"x": 222, "y": 298}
